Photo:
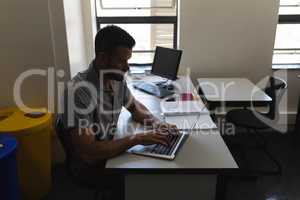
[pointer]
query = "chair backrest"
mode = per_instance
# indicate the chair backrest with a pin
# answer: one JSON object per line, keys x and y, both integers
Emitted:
{"x": 275, "y": 89}
{"x": 297, "y": 124}
{"x": 62, "y": 136}
{"x": 60, "y": 132}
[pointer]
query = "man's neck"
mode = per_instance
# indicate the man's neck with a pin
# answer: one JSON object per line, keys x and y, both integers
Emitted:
{"x": 98, "y": 65}
{"x": 108, "y": 85}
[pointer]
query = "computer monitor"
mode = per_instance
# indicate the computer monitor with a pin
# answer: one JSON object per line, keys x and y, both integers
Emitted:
{"x": 166, "y": 62}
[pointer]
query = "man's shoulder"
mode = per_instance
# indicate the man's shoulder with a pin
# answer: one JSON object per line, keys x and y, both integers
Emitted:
{"x": 81, "y": 87}
{"x": 80, "y": 76}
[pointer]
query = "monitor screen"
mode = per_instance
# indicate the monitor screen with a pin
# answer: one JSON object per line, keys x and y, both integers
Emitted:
{"x": 166, "y": 62}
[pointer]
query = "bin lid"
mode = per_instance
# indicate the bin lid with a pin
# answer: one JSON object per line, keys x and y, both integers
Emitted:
{"x": 8, "y": 144}
{"x": 15, "y": 120}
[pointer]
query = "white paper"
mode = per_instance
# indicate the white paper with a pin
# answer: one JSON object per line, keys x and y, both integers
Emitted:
{"x": 187, "y": 122}
{"x": 183, "y": 108}
{"x": 153, "y": 79}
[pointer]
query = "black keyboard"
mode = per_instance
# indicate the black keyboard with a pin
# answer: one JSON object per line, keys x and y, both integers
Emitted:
{"x": 152, "y": 89}
{"x": 167, "y": 150}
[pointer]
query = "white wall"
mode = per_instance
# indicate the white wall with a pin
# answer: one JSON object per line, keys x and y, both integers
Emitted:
{"x": 232, "y": 38}
{"x": 59, "y": 37}
{"x": 228, "y": 38}
{"x": 25, "y": 43}
{"x": 76, "y": 35}
{"x": 41, "y": 34}
{"x": 89, "y": 27}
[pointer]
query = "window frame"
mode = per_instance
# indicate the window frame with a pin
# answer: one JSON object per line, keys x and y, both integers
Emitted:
{"x": 287, "y": 19}
{"x": 172, "y": 20}
{"x": 142, "y": 20}
{"x": 125, "y": 8}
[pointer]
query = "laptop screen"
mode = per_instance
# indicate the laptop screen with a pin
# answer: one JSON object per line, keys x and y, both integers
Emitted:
{"x": 166, "y": 62}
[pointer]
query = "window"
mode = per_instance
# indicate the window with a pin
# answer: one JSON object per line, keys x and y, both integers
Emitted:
{"x": 287, "y": 41}
{"x": 151, "y": 22}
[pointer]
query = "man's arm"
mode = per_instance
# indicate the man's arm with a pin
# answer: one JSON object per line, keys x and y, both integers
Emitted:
{"x": 141, "y": 114}
{"x": 90, "y": 150}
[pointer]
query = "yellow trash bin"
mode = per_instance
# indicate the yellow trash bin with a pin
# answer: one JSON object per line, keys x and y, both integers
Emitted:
{"x": 33, "y": 132}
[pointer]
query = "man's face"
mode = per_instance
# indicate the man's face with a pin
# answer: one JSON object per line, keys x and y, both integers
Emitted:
{"x": 119, "y": 59}
{"x": 118, "y": 62}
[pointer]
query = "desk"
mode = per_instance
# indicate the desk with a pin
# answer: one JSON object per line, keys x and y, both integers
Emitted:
{"x": 193, "y": 172}
{"x": 232, "y": 92}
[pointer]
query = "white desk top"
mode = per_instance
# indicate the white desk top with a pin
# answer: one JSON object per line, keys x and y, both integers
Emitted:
{"x": 181, "y": 85}
{"x": 203, "y": 149}
{"x": 231, "y": 89}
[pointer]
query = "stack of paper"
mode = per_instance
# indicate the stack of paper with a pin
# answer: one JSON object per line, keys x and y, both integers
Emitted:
{"x": 139, "y": 69}
{"x": 183, "y": 108}
{"x": 187, "y": 122}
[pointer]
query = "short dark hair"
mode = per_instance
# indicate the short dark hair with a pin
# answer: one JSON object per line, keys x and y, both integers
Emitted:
{"x": 111, "y": 37}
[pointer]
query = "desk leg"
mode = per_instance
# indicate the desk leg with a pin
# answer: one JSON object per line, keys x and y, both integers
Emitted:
{"x": 175, "y": 187}
{"x": 212, "y": 109}
{"x": 221, "y": 187}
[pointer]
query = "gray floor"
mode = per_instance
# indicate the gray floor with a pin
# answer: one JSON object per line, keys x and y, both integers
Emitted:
{"x": 284, "y": 146}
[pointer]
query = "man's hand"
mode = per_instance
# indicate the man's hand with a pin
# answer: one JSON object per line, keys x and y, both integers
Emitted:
{"x": 160, "y": 126}
{"x": 165, "y": 128}
{"x": 142, "y": 115}
{"x": 152, "y": 137}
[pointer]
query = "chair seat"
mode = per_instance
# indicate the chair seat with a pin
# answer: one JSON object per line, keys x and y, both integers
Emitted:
{"x": 245, "y": 118}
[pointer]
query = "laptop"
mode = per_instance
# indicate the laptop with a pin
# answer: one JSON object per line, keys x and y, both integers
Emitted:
{"x": 165, "y": 64}
{"x": 165, "y": 152}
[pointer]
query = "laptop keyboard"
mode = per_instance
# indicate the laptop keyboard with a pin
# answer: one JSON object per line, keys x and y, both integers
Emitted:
{"x": 167, "y": 150}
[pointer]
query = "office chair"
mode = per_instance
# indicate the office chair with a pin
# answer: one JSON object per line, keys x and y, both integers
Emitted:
{"x": 249, "y": 119}
{"x": 296, "y": 136}
{"x": 81, "y": 183}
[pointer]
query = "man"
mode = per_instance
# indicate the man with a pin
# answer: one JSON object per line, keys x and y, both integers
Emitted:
{"x": 92, "y": 104}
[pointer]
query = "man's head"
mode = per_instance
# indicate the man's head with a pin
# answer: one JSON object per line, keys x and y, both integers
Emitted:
{"x": 113, "y": 49}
